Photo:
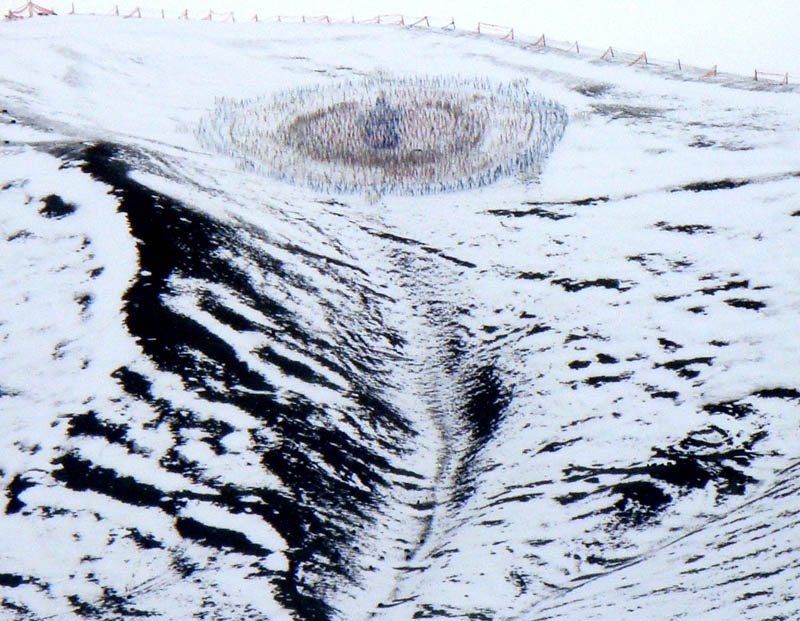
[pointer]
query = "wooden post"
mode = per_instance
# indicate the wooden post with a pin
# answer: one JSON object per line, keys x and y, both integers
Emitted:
{"x": 710, "y": 73}
{"x": 679, "y": 65}
{"x": 755, "y": 75}
{"x": 641, "y": 57}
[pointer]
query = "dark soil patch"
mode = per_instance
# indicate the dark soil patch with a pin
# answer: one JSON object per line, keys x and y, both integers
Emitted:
{"x": 600, "y": 380}
{"x": 778, "y": 393}
{"x": 755, "y": 305}
{"x": 55, "y": 207}
{"x": 18, "y": 485}
{"x": 710, "y": 186}
{"x": 572, "y": 286}
{"x": 670, "y": 346}
{"x": 665, "y": 394}
{"x": 534, "y": 275}
{"x": 534, "y": 211}
{"x": 594, "y": 89}
{"x": 731, "y": 284}
{"x": 689, "y": 229}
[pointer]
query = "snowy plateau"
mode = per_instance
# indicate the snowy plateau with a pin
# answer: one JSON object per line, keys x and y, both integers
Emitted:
{"x": 568, "y": 395}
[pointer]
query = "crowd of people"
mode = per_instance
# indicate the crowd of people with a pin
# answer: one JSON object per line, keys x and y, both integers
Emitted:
{"x": 409, "y": 136}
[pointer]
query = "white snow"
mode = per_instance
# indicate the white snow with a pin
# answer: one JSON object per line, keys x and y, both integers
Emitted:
{"x": 737, "y": 35}
{"x": 632, "y": 148}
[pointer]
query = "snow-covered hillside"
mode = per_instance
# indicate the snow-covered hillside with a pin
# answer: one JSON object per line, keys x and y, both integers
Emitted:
{"x": 573, "y": 395}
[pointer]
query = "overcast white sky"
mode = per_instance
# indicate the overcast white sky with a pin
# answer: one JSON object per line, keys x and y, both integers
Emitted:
{"x": 737, "y": 35}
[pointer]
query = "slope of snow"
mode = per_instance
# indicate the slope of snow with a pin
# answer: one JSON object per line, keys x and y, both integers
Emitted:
{"x": 736, "y": 35}
{"x": 224, "y": 395}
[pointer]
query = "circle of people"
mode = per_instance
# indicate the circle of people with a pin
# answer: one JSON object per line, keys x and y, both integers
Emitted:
{"x": 407, "y": 136}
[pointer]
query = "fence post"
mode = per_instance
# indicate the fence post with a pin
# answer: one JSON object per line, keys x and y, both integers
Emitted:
{"x": 641, "y": 57}
{"x": 786, "y": 78}
{"x": 710, "y": 73}
{"x": 755, "y": 75}
{"x": 679, "y": 65}
{"x": 72, "y": 10}
{"x": 419, "y": 21}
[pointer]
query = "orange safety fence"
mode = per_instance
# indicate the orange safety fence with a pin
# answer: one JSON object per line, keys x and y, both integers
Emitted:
{"x": 540, "y": 42}
{"x": 505, "y": 33}
{"x": 30, "y": 9}
{"x": 769, "y": 76}
{"x": 397, "y": 20}
{"x": 708, "y": 74}
{"x": 226, "y": 17}
{"x": 495, "y": 29}
{"x": 641, "y": 58}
